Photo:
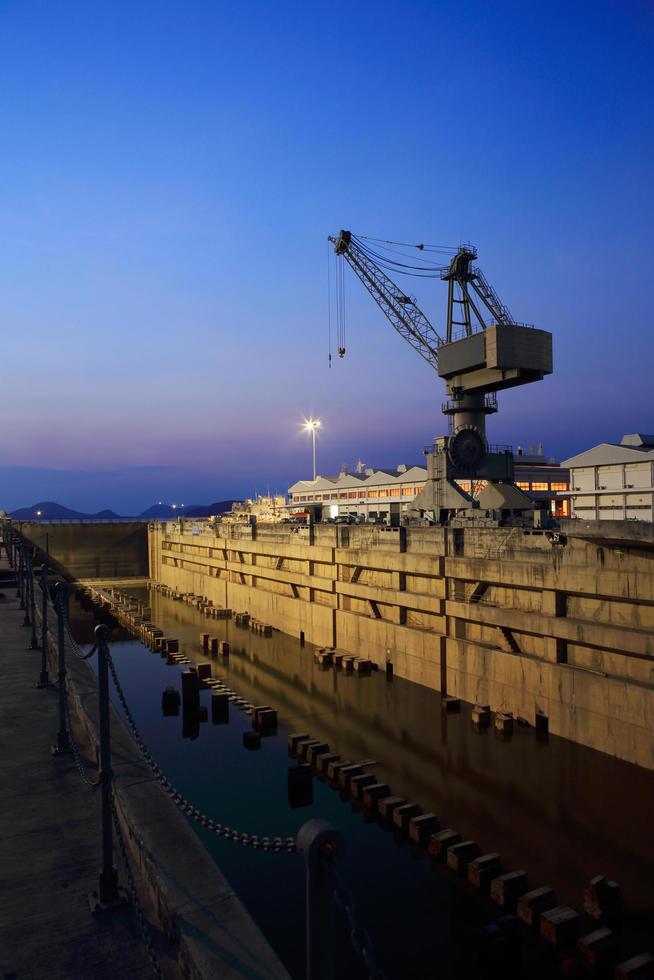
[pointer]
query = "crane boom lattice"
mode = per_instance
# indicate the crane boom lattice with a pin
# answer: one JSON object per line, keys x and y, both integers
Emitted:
{"x": 400, "y": 309}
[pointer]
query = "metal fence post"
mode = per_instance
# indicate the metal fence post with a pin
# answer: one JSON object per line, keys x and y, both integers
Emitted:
{"x": 107, "y": 895}
{"x": 62, "y": 746}
{"x": 32, "y": 603}
{"x": 320, "y": 842}
{"x": 19, "y": 590}
{"x": 29, "y": 584}
{"x": 44, "y": 680}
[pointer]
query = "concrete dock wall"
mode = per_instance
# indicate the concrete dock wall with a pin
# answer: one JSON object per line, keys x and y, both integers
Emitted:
{"x": 93, "y": 550}
{"x": 528, "y": 622}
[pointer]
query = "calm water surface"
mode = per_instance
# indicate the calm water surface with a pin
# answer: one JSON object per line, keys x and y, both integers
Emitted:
{"x": 562, "y": 812}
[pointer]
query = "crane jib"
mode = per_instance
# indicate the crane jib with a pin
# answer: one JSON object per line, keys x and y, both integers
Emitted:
{"x": 416, "y": 330}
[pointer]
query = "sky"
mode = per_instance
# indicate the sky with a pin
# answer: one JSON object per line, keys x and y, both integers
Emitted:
{"x": 170, "y": 171}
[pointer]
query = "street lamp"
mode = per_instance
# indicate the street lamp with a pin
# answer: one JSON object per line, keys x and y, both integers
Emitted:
{"x": 310, "y": 425}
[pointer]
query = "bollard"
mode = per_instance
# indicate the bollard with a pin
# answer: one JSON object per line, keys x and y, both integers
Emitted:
{"x": 320, "y": 842}
{"x": 44, "y": 680}
{"x": 61, "y": 746}
{"x": 107, "y": 895}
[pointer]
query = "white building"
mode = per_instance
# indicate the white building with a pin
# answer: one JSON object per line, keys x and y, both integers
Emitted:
{"x": 385, "y": 495}
{"x": 370, "y": 493}
{"x": 614, "y": 481}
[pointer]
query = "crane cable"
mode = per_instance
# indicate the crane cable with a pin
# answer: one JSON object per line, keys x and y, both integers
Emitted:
{"x": 340, "y": 306}
{"x": 421, "y": 246}
{"x": 399, "y": 268}
{"x": 329, "y": 304}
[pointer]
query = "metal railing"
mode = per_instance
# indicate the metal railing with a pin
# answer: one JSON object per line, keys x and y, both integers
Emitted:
{"x": 321, "y": 845}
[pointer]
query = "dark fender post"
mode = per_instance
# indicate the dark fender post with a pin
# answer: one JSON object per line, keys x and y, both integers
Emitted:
{"x": 62, "y": 746}
{"x": 320, "y": 842}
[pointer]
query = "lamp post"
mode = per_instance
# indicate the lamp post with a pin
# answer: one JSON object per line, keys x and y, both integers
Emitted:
{"x": 310, "y": 425}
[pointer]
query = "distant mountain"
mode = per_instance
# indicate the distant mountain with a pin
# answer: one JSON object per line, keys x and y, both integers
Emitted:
{"x": 159, "y": 512}
{"x": 49, "y": 510}
{"x": 208, "y": 510}
{"x": 164, "y": 512}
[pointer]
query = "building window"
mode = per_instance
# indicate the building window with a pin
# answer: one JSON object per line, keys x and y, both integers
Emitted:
{"x": 539, "y": 486}
{"x": 361, "y": 494}
{"x": 396, "y": 491}
{"x": 408, "y": 492}
{"x": 383, "y": 493}
{"x": 333, "y": 496}
{"x": 522, "y": 486}
{"x": 342, "y": 495}
{"x": 558, "y": 486}
{"x": 352, "y": 495}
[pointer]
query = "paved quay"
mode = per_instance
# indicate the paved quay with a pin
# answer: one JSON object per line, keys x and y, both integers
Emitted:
{"x": 50, "y": 846}
{"x": 49, "y": 838}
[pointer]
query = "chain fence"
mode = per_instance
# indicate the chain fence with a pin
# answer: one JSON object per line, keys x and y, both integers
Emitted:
{"x": 341, "y": 894}
{"x": 255, "y": 841}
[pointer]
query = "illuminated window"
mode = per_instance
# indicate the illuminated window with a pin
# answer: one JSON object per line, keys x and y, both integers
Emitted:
{"x": 383, "y": 493}
{"x": 361, "y": 494}
{"x": 522, "y": 486}
{"x": 396, "y": 491}
{"x": 352, "y": 495}
{"x": 408, "y": 491}
{"x": 558, "y": 486}
{"x": 539, "y": 486}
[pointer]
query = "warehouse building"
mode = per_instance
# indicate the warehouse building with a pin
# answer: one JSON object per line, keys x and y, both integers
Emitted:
{"x": 387, "y": 494}
{"x": 614, "y": 481}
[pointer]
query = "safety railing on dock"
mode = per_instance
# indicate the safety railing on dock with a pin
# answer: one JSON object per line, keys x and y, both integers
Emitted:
{"x": 321, "y": 845}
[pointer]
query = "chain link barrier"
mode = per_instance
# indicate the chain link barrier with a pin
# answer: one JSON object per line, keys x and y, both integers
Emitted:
{"x": 255, "y": 841}
{"x": 276, "y": 844}
{"x": 74, "y": 748}
{"x": 359, "y": 938}
{"x": 342, "y": 896}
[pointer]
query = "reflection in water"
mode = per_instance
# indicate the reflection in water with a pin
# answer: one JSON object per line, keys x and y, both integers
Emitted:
{"x": 549, "y": 806}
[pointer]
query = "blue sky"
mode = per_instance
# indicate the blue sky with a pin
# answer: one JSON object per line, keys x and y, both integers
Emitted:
{"x": 168, "y": 176}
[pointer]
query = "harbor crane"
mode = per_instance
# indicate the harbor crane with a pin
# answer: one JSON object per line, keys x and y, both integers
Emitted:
{"x": 484, "y": 351}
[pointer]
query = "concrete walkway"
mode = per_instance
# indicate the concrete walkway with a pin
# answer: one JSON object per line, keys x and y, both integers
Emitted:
{"x": 49, "y": 838}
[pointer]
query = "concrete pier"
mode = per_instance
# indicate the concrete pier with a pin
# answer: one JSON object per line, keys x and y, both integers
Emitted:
{"x": 50, "y": 841}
